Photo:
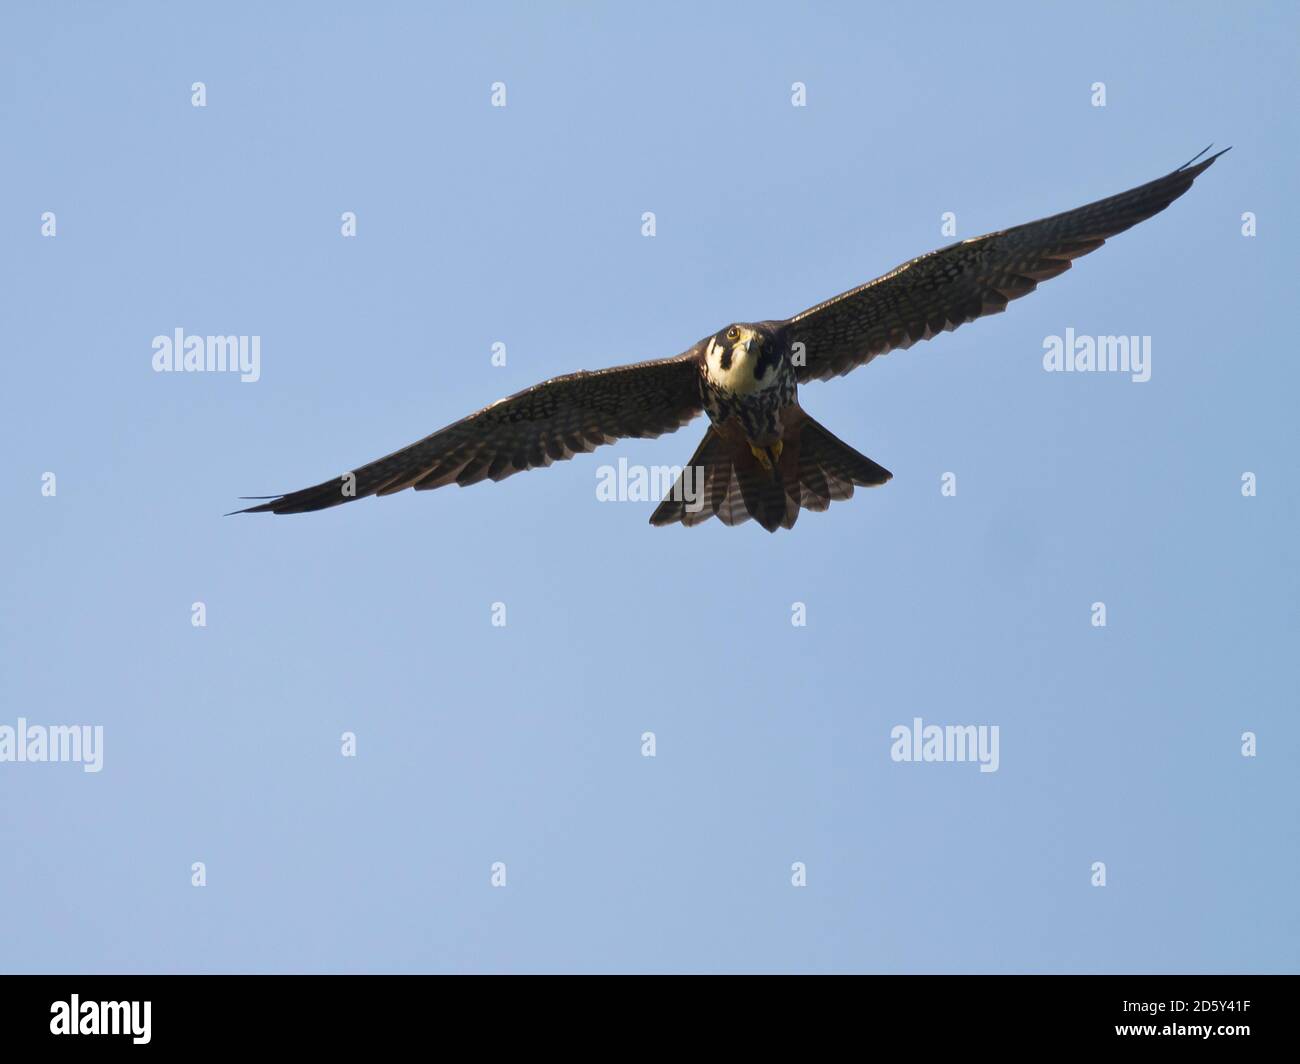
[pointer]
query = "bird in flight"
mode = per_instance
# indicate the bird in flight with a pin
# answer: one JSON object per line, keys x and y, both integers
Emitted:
{"x": 762, "y": 455}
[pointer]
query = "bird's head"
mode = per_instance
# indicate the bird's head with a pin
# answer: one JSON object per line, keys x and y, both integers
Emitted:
{"x": 742, "y": 358}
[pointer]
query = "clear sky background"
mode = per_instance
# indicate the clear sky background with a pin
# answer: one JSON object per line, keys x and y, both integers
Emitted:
{"x": 522, "y": 744}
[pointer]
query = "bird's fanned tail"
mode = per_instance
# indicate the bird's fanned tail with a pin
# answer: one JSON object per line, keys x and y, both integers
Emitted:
{"x": 725, "y": 480}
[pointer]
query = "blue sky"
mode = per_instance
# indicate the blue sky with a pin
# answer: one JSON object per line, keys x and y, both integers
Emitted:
{"x": 522, "y": 744}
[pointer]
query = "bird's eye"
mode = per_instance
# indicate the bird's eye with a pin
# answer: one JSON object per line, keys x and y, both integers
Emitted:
{"x": 733, "y": 333}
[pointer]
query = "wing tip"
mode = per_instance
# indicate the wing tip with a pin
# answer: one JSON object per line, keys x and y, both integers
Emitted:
{"x": 298, "y": 502}
{"x": 266, "y": 507}
{"x": 1204, "y": 164}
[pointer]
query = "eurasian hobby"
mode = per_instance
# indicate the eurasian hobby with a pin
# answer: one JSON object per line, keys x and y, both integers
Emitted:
{"x": 762, "y": 456}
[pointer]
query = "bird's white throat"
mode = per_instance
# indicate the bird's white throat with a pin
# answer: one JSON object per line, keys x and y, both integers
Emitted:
{"x": 737, "y": 376}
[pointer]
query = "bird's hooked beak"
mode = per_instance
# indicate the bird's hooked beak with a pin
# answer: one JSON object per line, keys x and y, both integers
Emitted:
{"x": 749, "y": 346}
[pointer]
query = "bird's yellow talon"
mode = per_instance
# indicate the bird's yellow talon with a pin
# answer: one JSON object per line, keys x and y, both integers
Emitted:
{"x": 767, "y": 457}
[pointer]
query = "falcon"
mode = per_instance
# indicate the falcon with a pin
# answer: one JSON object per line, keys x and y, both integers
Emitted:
{"x": 762, "y": 455}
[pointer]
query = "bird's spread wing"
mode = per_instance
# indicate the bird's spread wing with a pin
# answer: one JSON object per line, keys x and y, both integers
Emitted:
{"x": 549, "y": 422}
{"x": 949, "y": 287}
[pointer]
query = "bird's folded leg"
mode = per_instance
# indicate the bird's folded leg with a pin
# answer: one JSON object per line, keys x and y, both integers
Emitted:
{"x": 767, "y": 457}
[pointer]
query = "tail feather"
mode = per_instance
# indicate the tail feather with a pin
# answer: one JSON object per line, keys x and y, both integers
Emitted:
{"x": 725, "y": 480}
{"x": 821, "y": 452}
{"x": 765, "y": 495}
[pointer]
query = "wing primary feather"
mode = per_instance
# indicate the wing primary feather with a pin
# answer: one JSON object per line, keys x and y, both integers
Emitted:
{"x": 972, "y": 278}
{"x": 531, "y": 429}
